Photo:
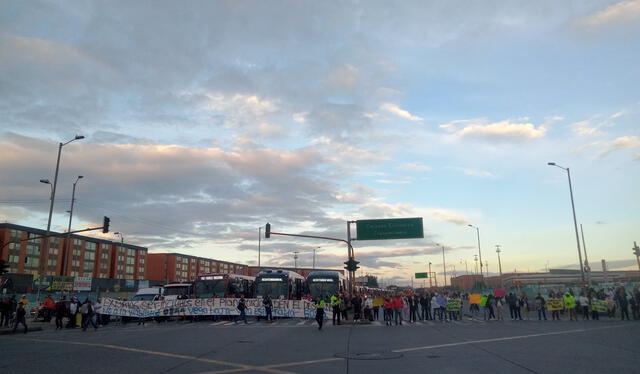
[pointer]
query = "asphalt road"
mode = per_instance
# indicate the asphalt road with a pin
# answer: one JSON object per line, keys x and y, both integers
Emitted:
{"x": 296, "y": 346}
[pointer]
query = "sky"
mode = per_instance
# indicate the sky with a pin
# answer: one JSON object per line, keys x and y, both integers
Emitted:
{"x": 204, "y": 120}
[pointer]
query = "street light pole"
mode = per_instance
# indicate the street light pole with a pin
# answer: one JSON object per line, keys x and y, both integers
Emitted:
{"x": 479, "y": 251}
{"x": 314, "y": 257}
{"x": 575, "y": 221}
{"x": 430, "y": 283}
{"x": 53, "y": 196}
{"x": 587, "y": 268}
{"x": 499, "y": 263}
{"x": 444, "y": 266}
{"x": 295, "y": 260}
{"x": 65, "y": 255}
{"x": 259, "y": 239}
{"x": 466, "y": 268}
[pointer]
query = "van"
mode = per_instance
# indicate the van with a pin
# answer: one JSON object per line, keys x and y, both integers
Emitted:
{"x": 149, "y": 294}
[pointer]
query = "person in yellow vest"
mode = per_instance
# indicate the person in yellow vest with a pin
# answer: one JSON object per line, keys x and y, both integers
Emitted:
{"x": 570, "y": 305}
{"x": 320, "y": 304}
{"x": 335, "y": 307}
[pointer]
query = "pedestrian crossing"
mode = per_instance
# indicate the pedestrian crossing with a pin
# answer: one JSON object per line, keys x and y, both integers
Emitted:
{"x": 299, "y": 322}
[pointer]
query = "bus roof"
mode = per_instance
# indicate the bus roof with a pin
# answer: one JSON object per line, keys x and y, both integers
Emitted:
{"x": 227, "y": 275}
{"x": 325, "y": 273}
{"x": 271, "y": 272}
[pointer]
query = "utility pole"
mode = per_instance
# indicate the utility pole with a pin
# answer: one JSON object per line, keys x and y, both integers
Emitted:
{"x": 444, "y": 267}
{"x": 587, "y": 269}
{"x": 430, "y": 276}
{"x": 636, "y": 251}
{"x": 499, "y": 264}
{"x": 295, "y": 260}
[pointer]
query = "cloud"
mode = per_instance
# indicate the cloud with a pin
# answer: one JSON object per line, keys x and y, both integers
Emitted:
{"x": 397, "y": 111}
{"x": 585, "y": 128}
{"x": 414, "y": 166}
{"x": 502, "y": 131}
{"x": 477, "y": 173}
{"x": 620, "y": 13}
{"x": 621, "y": 143}
{"x": 344, "y": 77}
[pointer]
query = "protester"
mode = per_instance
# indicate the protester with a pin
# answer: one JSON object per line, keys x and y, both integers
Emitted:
{"x": 570, "y": 305}
{"x": 60, "y": 311}
{"x": 87, "y": 315}
{"x": 398, "y": 305}
{"x": 541, "y": 306}
{"x": 268, "y": 306}
{"x": 73, "y": 312}
{"x": 49, "y": 308}
{"x": 584, "y": 305}
{"x": 20, "y": 318}
{"x": 623, "y": 303}
{"x": 320, "y": 304}
{"x": 242, "y": 307}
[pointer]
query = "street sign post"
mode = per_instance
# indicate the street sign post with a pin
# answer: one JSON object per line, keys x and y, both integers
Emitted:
{"x": 381, "y": 229}
{"x": 422, "y": 275}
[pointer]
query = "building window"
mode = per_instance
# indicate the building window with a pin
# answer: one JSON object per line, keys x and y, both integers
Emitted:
{"x": 76, "y": 252}
{"x": 32, "y": 262}
{"x": 53, "y": 251}
{"x": 89, "y": 255}
{"x": 77, "y": 242}
{"x": 75, "y": 263}
{"x": 16, "y": 234}
{"x": 13, "y": 259}
{"x": 52, "y": 262}
{"x": 104, "y": 255}
{"x": 33, "y": 250}
{"x": 90, "y": 245}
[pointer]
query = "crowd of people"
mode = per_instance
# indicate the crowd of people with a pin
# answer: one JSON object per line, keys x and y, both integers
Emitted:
{"x": 77, "y": 314}
{"x": 446, "y": 307}
{"x": 589, "y": 304}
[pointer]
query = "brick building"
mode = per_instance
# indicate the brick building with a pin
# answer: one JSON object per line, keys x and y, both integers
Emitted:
{"x": 176, "y": 267}
{"x": 97, "y": 258}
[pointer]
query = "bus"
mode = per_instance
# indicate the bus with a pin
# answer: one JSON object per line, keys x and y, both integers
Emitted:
{"x": 325, "y": 283}
{"x": 279, "y": 284}
{"x": 174, "y": 290}
{"x": 224, "y": 285}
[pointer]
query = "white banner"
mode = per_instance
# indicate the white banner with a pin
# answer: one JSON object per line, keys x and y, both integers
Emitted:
{"x": 207, "y": 307}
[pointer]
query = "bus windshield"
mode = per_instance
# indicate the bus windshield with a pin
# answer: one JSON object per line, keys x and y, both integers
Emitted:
{"x": 210, "y": 288}
{"x": 274, "y": 288}
{"x": 322, "y": 287}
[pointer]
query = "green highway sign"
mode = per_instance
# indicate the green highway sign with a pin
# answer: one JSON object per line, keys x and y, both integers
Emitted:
{"x": 398, "y": 228}
{"x": 422, "y": 275}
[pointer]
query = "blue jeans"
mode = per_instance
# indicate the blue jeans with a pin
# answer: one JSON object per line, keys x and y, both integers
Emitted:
{"x": 243, "y": 316}
{"x": 398, "y": 315}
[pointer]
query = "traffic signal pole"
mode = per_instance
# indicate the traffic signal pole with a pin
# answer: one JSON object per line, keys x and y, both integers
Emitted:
{"x": 351, "y": 260}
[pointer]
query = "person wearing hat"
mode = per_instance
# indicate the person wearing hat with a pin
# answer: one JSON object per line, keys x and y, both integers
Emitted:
{"x": 20, "y": 317}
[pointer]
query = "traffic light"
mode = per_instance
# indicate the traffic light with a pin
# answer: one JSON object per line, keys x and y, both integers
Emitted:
{"x": 4, "y": 267}
{"x": 105, "y": 224}
{"x": 267, "y": 230}
{"x": 352, "y": 265}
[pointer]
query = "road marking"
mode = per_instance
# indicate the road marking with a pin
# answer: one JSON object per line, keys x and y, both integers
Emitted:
{"x": 501, "y": 339}
{"x": 301, "y": 323}
{"x": 238, "y": 367}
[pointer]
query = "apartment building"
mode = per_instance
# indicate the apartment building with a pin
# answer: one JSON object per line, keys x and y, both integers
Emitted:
{"x": 176, "y": 267}
{"x": 73, "y": 255}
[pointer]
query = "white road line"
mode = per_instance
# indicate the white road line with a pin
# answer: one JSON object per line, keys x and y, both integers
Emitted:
{"x": 501, "y": 339}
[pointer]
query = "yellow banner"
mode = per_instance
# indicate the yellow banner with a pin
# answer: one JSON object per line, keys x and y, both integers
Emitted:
{"x": 378, "y": 301}
{"x": 453, "y": 305}
{"x": 555, "y": 304}
{"x": 474, "y": 298}
{"x": 599, "y": 305}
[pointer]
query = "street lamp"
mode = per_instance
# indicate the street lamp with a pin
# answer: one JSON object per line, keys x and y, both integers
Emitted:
{"x": 430, "y": 283}
{"x": 444, "y": 266}
{"x": 259, "y": 239}
{"x": 295, "y": 259}
{"x": 575, "y": 222}
{"x": 499, "y": 264}
{"x": 479, "y": 252}
{"x": 53, "y": 195}
{"x": 314, "y": 257}
{"x": 65, "y": 257}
